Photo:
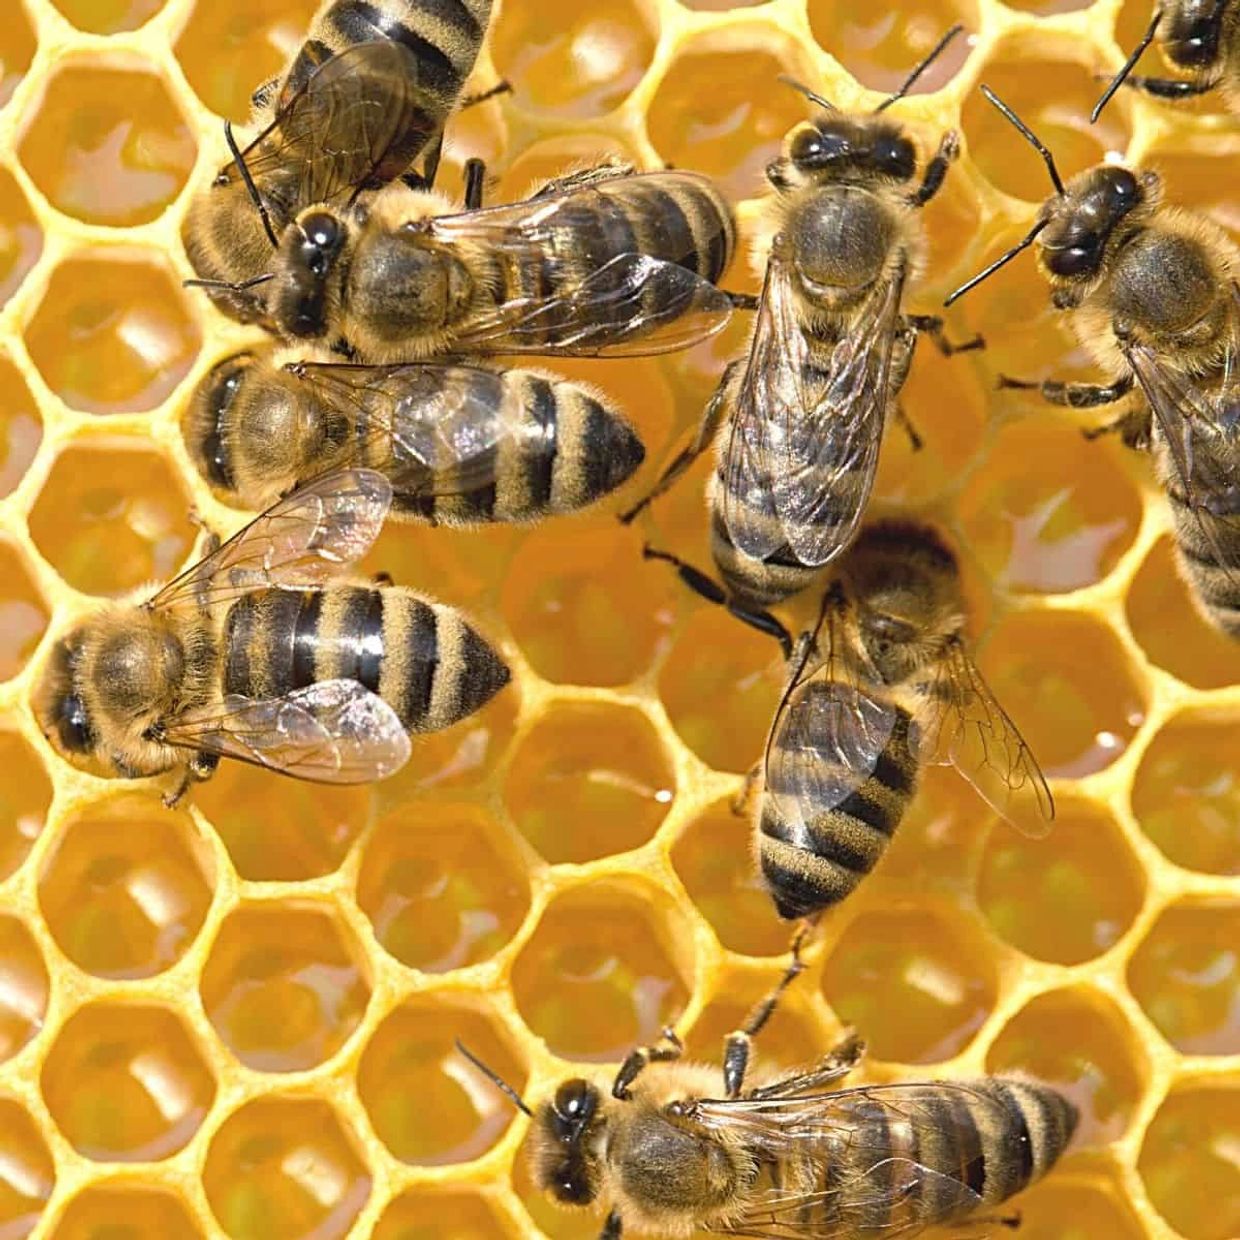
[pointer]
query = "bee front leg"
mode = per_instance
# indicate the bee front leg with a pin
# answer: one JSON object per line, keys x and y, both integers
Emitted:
{"x": 931, "y": 325}
{"x": 475, "y": 183}
{"x": 640, "y": 1057}
{"x": 198, "y": 770}
{"x": 1072, "y": 395}
{"x": 936, "y": 169}
{"x": 612, "y": 1228}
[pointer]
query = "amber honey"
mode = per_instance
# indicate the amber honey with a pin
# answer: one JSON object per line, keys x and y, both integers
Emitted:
{"x": 237, "y": 1019}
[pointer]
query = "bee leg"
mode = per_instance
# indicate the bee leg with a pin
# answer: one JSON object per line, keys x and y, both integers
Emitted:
{"x": 582, "y": 178}
{"x": 475, "y": 183}
{"x": 931, "y": 325}
{"x": 742, "y": 301}
{"x": 200, "y": 767}
{"x": 502, "y": 87}
{"x": 1073, "y": 395}
{"x": 262, "y": 94}
{"x": 936, "y": 169}
{"x": 1169, "y": 88}
{"x": 383, "y": 580}
{"x": 914, "y": 437}
{"x": 742, "y": 802}
{"x": 1133, "y": 427}
{"x": 736, "y": 1046}
{"x": 430, "y": 164}
{"x": 612, "y": 1228}
{"x": 639, "y": 1057}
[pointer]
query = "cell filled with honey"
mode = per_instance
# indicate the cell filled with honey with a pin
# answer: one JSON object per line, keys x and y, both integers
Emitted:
{"x": 27, "y": 1173}
{"x": 126, "y": 1212}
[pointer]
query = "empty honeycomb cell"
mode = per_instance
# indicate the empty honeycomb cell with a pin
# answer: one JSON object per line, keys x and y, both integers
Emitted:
{"x": 1186, "y": 975}
{"x": 109, "y": 16}
{"x": 724, "y": 112}
{"x": 598, "y": 976}
{"x": 126, "y": 887}
{"x": 411, "y": 1069}
{"x": 25, "y": 794}
{"x": 589, "y": 780}
{"x": 718, "y": 6}
{"x": 1192, "y": 181}
{"x": 1066, "y": 681}
{"x": 114, "y": 334}
{"x": 880, "y": 44}
{"x": 108, "y": 145}
{"x": 17, "y": 46}
{"x": 21, "y": 429}
{"x": 721, "y": 706}
{"x": 1084, "y": 869}
{"x": 582, "y": 65}
{"x": 23, "y": 613}
{"x": 125, "y": 1212}
{"x": 108, "y": 520}
{"x": 126, "y": 1083}
{"x": 1170, "y": 629}
{"x": 443, "y": 887}
{"x": 1096, "y": 1067}
{"x": 1049, "y": 510}
{"x": 281, "y": 830}
{"x": 920, "y": 985}
{"x": 284, "y": 985}
{"x": 790, "y": 1039}
{"x": 584, "y": 607}
{"x": 1060, "y": 1210}
{"x": 1186, "y": 794}
{"x": 420, "y": 1215}
{"x": 714, "y": 859}
{"x": 287, "y": 1168}
{"x": 1188, "y": 1161}
{"x": 229, "y": 46}
{"x": 23, "y": 987}
{"x": 1053, "y": 95}
{"x": 21, "y": 240}
{"x": 27, "y": 1174}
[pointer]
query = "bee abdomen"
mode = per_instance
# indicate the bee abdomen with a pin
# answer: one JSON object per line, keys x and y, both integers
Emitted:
{"x": 759, "y": 583}
{"x": 1201, "y": 536}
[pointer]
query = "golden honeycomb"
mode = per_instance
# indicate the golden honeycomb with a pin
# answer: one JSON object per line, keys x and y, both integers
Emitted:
{"x": 236, "y": 1019}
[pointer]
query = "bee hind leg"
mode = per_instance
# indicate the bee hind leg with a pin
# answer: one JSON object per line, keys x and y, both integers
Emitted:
{"x": 640, "y": 1057}
{"x": 612, "y": 1228}
{"x": 931, "y": 325}
{"x": 914, "y": 436}
{"x": 475, "y": 183}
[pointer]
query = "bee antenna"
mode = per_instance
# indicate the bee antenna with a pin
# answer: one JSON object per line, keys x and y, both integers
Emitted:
{"x": 1118, "y": 80}
{"x": 229, "y": 285}
{"x": 1029, "y": 136}
{"x": 255, "y": 197}
{"x": 802, "y": 89}
{"x": 935, "y": 52}
{"x": 495, "y": 1079}
{"x": 1002, "y": 261}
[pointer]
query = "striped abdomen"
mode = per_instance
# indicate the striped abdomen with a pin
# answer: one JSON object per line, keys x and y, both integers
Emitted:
{"x": 421, "y": 658}
{"x": 813, "y": 852}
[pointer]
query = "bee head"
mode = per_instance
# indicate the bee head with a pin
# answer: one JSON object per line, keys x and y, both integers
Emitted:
{"x": 1194, "y": 32}
{"x": 307, "y": 260}
{"x": 206, "y": 425}
{"x": 564, "y": 1140}
{"x": 58, "y": 703}
{"x": 837, "y": 147}
{"x": 1080, "y": 222}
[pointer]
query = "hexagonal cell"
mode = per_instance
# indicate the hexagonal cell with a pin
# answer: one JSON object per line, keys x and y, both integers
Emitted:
{"x": 126, "y": 1082}
{"x": 1053, "y": 95}
{"x": 126, "y": 1212}
{"x": 27, "y": 1174}
{"x": 285, "y": 985}
{"x": 285, "y": 1167}
{"x": 282, "y": 830}
{"x": 1096, "y": 1066}
{"x": 108, "y": 145}
{"x": 21, "y": 429}
{"x": 25, "y": 795}
{"x": 126, "y": 887}
{"x": 587, "y": 781}
{"x": 919, "y": 984}
{"x": 1048, "y": 510}
{"x": 419, "y": 1214}
{"x": 23, "y": 987}
{"x": 1186, "y": 975}
{"x": 443, "y": 888}
{"x": 584, "y": 607}
{"x": 113, "y": 334}
{"x": 1189, "y": 1164}
{"x": 23, "y": 613}
{"x": 1066, "y": 681}
{"x": 789, "y": 1038}
{"x": 17, "y": 46}
{"x": 1170, "y": 629}
{"x": 723, "y": 112}
{"x": 879, "y": 44}
{"x": 603, "y": 972}
{"x": 429, "y": 1105}
{"x": 1197, "y": 185}
{"x": 110, "y": 16}
{"x": 714, "y": 858}
{"x": 583, "y": 65}
{"x": 1080, "y": 1210}
{"x": 1084, "y": 870}
{"x": 227, "y": 49}
{"x": 1186, "y": 794}
{"x": 108, "y": 520}
{"x": 21, "y": 240}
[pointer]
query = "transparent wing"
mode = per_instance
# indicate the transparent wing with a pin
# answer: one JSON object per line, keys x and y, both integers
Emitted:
{"x": 960, "y": 722}
{"x": 302, "y": 540}
{"x": 335, "y": 731}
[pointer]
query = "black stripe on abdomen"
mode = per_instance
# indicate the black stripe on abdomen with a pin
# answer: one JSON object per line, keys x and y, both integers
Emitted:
{"x": 358, "y": 21}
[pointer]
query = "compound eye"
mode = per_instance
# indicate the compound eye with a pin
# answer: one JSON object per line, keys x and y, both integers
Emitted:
{"x": 1124, "y": 190}
{"x": 895, "y": 157}
{"x": 322, "y": 231}
{"x": 1075, "y": 260}
{"x": 571, "y": 1186}
{"x": 573, "y": 1100}
{"x": 807, "y": 147}
{"x": 73, "y": 724}
{"x": 1200, "y": 45}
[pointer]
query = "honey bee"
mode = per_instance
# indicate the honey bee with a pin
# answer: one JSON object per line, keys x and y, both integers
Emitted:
{"x": 368, "y": 93}
{"x": 255, "y": 653}
{"x": 460, "y": 444}
{"x": 882, "y": 685}
{"x": 1201, "y": 37}
{"x": 804, "y": 413}
{"x": 1152, "y": 295}
{"x": 602, "y": 261}
{"x": 667, "y": 1151}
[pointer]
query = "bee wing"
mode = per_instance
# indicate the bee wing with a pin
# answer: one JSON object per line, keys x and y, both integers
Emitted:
{"x": 334, "y": 731}
{"x": 961, "y": 723}
{"x": 301, "y": 540}
{"x": 627, "y": 305}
